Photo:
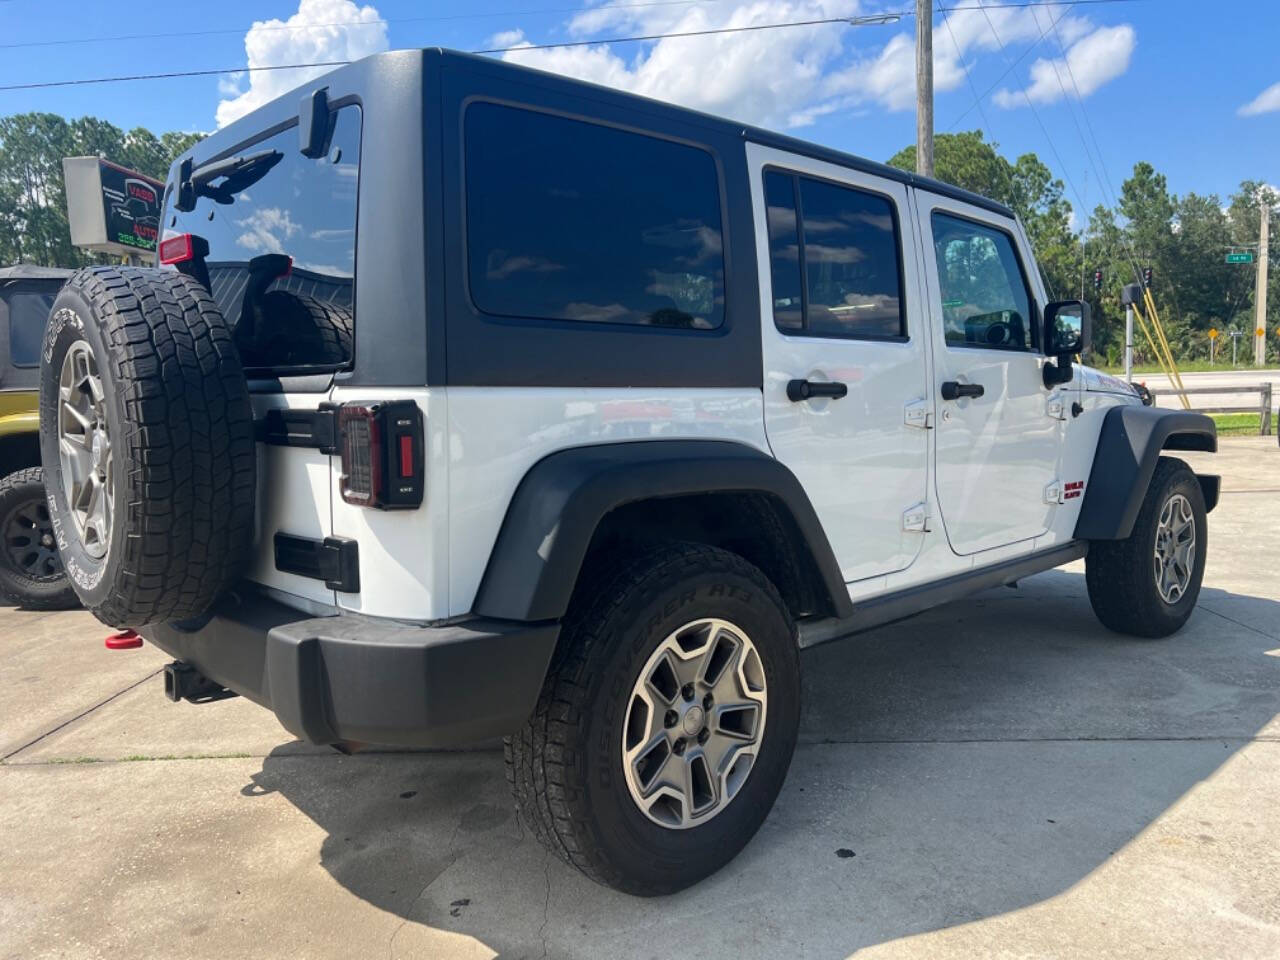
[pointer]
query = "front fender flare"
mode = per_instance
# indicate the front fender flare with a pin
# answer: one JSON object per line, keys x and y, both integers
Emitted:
{"x": 560, "y": 502}
{"x": 1129, "y": 446}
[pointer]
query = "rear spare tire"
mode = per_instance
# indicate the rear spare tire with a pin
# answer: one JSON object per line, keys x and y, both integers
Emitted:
{"x": 146, "y": 433}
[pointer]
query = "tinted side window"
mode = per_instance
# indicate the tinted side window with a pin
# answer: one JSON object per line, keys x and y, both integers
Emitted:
{"x": 282, "y": 253}
{"x": 985, "y": 302}
{"x": 835, "y": 257}
{"x": 28, "y": 314}
{"x": 568, "y": 220}
{"x": 784, "y": 250}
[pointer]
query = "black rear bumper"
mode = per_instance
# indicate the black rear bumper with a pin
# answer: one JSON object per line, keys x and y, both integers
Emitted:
{"x": 355, "y": 678}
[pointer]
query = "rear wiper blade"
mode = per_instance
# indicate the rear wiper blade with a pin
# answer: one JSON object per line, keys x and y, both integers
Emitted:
{"x": 234, "y": 173}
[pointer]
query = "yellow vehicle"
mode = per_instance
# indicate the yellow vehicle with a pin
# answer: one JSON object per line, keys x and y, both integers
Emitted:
{"x": 31, "y": 572}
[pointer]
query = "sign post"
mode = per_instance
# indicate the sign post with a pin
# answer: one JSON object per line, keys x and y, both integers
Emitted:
{"x": 112, "y": 209}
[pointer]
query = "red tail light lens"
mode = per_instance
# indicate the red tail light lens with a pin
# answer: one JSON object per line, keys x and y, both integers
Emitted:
{"x": 177, "y": 249}
{"x": 382, "y": 454}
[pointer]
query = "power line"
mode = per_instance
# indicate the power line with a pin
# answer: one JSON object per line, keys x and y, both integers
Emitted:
{"x": 384, "y": 21}
{"x": 344, "y": 24}
{"x": 850, "y": 21}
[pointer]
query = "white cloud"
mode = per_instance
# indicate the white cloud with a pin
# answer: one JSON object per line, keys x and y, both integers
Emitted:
{"x": 772, "y": 77}
{"x": 1093, "y": 60}
{"x": 1267, "y": 101}
{"x": 318, "y": 32}
{"x": 505, "y": 38}
{"x": 266, "y": 230}
{"x": 792, "y": 77}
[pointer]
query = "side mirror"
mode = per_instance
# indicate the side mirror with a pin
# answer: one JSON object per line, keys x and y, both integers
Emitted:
{"x": 1066, "y": 333}
{"x": 1066, "y": 328}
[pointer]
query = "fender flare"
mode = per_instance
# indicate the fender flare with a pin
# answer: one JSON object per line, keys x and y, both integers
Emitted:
{"x": 562, "y": 499}
{"x": 1129, "y": 447}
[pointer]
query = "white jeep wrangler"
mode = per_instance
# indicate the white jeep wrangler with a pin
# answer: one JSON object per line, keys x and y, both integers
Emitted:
{"x": 471, "y": 401}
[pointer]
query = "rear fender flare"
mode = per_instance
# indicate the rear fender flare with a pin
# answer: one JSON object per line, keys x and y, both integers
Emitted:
{"x": 1129, "y": 447}
{"x": 563, "y": 498}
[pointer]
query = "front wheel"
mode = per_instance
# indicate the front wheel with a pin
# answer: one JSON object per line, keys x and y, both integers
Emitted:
{"x": 666, "y": 724}
{"x": 1147, "y": 585}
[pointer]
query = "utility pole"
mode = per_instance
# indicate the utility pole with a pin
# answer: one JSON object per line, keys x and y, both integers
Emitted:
{"x": 924, "y": 87}
{"x": 1260, "y": 297}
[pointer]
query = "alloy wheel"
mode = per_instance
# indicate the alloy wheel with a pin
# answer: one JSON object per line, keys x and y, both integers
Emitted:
{"x": 694, "y": 723}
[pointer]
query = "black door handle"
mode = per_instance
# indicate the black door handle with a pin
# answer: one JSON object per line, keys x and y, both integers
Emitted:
{"x": 952, "y": 390}
{"x": 798, "y": 390}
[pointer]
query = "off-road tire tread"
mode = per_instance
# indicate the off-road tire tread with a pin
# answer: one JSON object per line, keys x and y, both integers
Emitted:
{"x": 541, "y": 758}
{"x": 189, "y": 494}
{"x": 330, "y": 323}
{"x": 16, "y": 587}
{"x": 1118, "y": 572}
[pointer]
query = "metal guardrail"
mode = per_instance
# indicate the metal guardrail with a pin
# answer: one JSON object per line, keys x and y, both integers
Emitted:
{"x": 1263, "y": 407}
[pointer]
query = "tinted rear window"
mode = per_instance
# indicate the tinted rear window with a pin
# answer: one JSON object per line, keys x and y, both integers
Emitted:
{"x": 282, "y": 253}
{"x": 569, "y": 220}
{"x": 28, "y": 314}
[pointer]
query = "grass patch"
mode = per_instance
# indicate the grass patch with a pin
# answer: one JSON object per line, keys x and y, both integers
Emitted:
{"x": 1191, "y": 366}
{"x": 1237, "y": 424}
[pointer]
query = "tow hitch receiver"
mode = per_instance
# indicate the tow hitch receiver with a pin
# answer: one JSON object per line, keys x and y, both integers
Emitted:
{"x": 182, "y": 681}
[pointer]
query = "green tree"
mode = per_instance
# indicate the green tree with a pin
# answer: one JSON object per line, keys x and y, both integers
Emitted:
{"x": 33, "y": 202}
{"x": 1027, "y": 186}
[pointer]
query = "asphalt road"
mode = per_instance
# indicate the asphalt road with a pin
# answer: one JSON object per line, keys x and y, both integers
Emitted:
{"x": 1010, "y": 779}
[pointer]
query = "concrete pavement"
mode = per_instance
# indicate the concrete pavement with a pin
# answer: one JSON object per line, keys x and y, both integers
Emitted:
{"x": 1009, "y": 779}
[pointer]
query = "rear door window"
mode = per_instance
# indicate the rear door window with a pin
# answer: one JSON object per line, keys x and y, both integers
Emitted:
{"x": 835, "y": 259}
{"x": 282, "y": 249}
{"x": 28, "y": 314}
{"x": 568, "y": 220}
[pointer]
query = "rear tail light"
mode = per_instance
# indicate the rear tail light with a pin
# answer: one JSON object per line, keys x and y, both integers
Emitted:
{"x": 182, "y": 248}
{"x": 382, "y": 454}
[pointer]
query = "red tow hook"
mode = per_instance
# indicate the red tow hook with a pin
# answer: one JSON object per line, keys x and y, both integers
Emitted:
{"x": 124, "y": 640}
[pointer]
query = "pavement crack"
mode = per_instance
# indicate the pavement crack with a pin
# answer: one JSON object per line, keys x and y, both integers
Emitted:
{"x": 80, "y": 716}
{"x": 408, "y": 910}
{"x": 546, "y": 906}
{"x": 1261, "y": 633}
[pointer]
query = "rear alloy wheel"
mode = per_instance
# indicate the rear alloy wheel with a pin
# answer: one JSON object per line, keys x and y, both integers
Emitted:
{"x": 694, "y": 724}
{"x": 666, "y": 722}
{"x": 31, "y": 574}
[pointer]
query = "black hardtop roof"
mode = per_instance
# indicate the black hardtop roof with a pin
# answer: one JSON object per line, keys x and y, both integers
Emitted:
{"x": 278, "y": 112}
{"x": 30, "y": 271}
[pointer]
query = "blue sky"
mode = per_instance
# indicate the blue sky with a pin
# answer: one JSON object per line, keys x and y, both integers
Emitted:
{"x": 1163, "y": 80}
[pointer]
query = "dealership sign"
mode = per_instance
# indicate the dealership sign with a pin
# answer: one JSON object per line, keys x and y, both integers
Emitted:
{"x": 111, "y": 209}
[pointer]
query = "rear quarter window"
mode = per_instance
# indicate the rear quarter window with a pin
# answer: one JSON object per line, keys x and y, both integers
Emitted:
{"x": 282, "y": 252}
{"x": 578, "y": 221}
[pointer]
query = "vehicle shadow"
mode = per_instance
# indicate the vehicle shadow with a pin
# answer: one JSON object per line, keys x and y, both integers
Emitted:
{"x": 974, "y": 760}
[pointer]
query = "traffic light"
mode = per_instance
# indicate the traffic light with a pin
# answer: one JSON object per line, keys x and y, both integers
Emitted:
{"x": 1097, "y": 281}
{"x": 1146, "y": 277}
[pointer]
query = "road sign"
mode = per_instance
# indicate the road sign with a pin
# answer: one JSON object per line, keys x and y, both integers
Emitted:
{"x": 1246, "y": 257}
{"x": 1213, "y": 333}
{"x": 1259, "y": 332}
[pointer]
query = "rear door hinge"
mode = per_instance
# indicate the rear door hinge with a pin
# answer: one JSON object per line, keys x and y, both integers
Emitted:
{"x": 919, "y": 415}
{"x": 916, "y": 519}
{"x": 300, "y": 428}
